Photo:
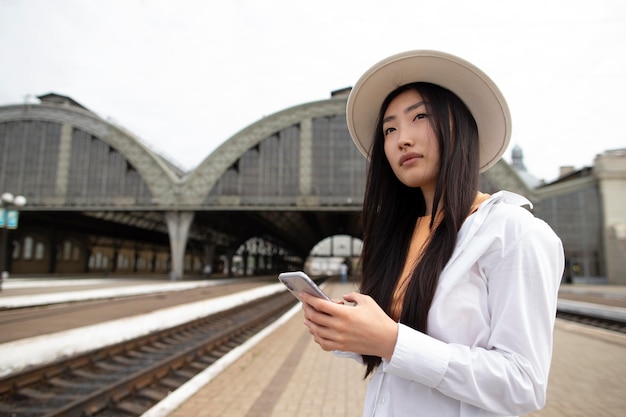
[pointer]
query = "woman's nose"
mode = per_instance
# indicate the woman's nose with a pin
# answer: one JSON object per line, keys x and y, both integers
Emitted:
{"x": 405, "y": 140}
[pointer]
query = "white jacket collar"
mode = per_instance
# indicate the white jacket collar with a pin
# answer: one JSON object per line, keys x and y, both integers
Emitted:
{"x": 474, "y": 222}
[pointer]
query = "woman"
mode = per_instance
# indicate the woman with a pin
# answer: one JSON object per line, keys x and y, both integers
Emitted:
{"x": 456, "y": 308}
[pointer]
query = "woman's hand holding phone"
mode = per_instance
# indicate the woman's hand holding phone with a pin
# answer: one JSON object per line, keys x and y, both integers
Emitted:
{"x": 362, "y": 327}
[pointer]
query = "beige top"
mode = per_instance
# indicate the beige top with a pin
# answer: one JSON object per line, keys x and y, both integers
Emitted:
{"x": 421, "y": 235}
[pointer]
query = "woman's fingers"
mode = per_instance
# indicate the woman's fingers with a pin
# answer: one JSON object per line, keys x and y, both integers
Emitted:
{"x": 359, "y": 325}
{"x": 322, "y": 321}
{"x": 317, "y": 303}
{"x": 317, "y": 317}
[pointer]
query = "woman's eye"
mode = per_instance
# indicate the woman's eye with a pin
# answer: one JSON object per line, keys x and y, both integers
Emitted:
{"x": 420, "y": 116}
{"x": 388, "y": 130}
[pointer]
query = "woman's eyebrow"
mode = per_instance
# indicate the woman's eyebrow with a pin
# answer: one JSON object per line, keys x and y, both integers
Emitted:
{"x": 407, "y": 110}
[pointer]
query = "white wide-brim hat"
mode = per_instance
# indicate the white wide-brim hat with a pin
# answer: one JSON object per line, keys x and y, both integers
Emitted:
{"x": 479, "y": 93}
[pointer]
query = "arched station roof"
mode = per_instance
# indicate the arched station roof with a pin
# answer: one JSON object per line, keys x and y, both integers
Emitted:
{"x": 293, "y": 177}
{"x": 69, "y": 143}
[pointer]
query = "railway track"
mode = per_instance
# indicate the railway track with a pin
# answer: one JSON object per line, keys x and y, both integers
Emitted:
{"x": 25, "y": 322}
{"x": 127, "y": 379}
{"x": 599, "y": 322}
{"x": 601, "y": 312}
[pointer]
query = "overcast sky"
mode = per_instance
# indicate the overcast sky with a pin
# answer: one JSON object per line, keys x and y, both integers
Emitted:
{"x": 186, "y": 75}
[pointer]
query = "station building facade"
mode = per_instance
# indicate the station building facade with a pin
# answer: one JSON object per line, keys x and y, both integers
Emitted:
{"x": 587, "y": 209}
{"x": 100, "y": 201}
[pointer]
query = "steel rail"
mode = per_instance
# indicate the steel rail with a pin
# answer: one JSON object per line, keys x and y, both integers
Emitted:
{"x": 129, "y": 378}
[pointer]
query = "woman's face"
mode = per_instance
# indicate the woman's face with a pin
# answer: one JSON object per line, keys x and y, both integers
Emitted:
{"x": 411, "y": 145}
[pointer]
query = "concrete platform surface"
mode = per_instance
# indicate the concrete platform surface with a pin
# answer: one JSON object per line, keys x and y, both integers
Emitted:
{"x": 287, "y": 374}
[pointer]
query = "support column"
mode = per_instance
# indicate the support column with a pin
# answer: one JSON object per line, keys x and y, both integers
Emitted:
{"x": 114, "y": 258}
{"x": 230, "y": 254}
{"x": 209, "y": 252}
{"x": 245, "y": 262}
{"x": 267, "y": 264}
{"x": 257, "y": 264}
{"x": 178, "y": 224}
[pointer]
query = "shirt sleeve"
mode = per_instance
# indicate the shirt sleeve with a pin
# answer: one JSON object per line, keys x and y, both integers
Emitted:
{"x": 348, "y": 355}
{"x": 509, "y": 375}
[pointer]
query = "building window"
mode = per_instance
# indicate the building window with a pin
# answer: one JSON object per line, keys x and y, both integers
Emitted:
{"x": 67, "y": 250}
{"x": 97, "y": 264}
{"x": 16, "y": 249}
{"x": 40, "y": 251}
{"x": 28, "y": 248}
{"x": 122, "y": 261}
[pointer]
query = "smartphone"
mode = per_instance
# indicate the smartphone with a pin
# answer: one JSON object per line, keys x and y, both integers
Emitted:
{"x": 299, "y": 282}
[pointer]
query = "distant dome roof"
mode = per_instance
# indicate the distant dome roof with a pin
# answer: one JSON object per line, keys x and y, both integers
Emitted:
{"x": 517, "y": 158}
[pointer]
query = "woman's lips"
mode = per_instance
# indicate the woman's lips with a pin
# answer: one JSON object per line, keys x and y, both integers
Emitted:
{"x": 410, "y": 157}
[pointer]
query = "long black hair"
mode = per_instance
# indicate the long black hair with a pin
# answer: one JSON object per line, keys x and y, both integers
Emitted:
{"x": 391, "y": 209}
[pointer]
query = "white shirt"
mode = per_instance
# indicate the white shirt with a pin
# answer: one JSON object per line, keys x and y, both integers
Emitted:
{"x": 489, "y": 342}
